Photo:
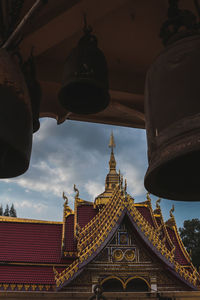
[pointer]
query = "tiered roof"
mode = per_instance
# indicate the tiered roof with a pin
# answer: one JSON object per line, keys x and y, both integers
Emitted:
{"x": 93, "y": 237}
{"x": 39, "y": 255}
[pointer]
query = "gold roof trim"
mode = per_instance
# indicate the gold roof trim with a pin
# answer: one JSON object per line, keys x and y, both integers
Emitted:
{"x": 27, "y": 287}
{"x": 22, "y": 220}
{"x": 143, "y": 204}
{"x": 67, "y": 211}
{"x": 171, "y": 222}
{"x": 96, "y": 231}
{"x": 35, "y": 264}
{"x": 160, "y": 216}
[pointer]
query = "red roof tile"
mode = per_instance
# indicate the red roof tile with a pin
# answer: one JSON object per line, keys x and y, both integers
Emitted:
{"x": 85, "y": 214}
{"x": 70, "y": 244}
{"x": 179, "y": 256}
{"x": 146, "y": 214}
{"x": 30, "y": 242}
{"x": 26, "y": 274}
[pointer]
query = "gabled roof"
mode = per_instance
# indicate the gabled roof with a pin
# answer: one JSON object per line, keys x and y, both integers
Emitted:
{"x": 93, "y": 237}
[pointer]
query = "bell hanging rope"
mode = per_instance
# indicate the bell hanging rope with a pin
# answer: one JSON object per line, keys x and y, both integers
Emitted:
{"x": 172, "y": 110}
{"x": 85, "y": 80}
{"x": 16, "y": 119}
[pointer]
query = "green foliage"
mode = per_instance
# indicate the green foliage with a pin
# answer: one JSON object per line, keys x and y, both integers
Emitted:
{"x": 6, "y": 212}
{"x": 12, "y": 211}
{"x": 190, "y": 234}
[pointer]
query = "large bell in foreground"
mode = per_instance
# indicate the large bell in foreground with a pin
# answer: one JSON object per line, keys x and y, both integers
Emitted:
{"x": 172, "y": 105}
{"x": 15, "y": 119}
{"x": 85, "y": 79}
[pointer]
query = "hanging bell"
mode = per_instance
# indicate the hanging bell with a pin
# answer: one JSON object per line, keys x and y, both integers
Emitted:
{"x": 85, "y": 81}
{"x": 172, "y": 108}
{"x": 16, "y": 119}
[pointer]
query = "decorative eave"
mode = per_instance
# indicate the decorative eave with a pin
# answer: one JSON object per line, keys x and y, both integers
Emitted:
{"x": 26, "y": 287}
{"x": 97, "y": 233}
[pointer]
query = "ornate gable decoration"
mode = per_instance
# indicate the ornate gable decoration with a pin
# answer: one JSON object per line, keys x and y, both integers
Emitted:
{"x": 97, "y": 233}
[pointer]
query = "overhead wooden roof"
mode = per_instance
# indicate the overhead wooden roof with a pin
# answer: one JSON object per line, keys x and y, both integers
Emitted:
{"x": 128, "y": 34}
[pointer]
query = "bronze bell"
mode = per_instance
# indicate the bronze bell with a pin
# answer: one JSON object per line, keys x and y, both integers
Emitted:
{"x": 172, "y": 105}
{"x": 16, "y": 119}
{"x": 85, "y": 79}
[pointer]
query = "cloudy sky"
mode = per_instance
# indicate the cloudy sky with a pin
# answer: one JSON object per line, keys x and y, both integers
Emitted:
{"x": 77, "y": 152}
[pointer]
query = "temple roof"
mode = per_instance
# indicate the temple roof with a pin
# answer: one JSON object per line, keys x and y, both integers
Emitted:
{"x": 93, "y": 237}
{"x": 55, "y": 253}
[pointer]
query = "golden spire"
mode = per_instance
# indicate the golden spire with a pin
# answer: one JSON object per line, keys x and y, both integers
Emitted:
{"x": 113, "y": 178}
{"x": 112, "y": 162}
{"x": 112, "y": 142}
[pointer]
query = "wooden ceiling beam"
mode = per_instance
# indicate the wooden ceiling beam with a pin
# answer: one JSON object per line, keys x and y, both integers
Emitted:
{"x": 124, "y": 108}
{"x": 67, "y": 24}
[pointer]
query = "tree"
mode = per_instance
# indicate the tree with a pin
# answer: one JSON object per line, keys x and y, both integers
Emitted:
{"x": 1, "y": 210}
{"x": 6, "y": 212}
{"x": 190, "y": 234}
{"x": 12, "y": 211}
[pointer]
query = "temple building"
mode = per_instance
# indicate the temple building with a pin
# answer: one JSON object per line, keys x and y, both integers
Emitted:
{"x": 113, "y": 242}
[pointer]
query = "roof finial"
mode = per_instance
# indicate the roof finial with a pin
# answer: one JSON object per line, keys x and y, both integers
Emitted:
{"x": 112, "y": 161}
{"x": 171, "y": 211}
{"x": 148, "y": 197}
{"x": 125, "y": 185}
{"x": 158, "y": 203}
{"x": 77, "y": 191}
{"x": 112, "y": 142}
{"x": 65, "y": 198}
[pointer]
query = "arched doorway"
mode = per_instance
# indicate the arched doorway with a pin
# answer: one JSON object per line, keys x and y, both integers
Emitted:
{"x": 137, "y": 285}
{"x": 112, "y": 285}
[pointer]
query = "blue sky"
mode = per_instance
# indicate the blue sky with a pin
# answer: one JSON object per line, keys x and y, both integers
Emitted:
{"x": 77, "y": 152}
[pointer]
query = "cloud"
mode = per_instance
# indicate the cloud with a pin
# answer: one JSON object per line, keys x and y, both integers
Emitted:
{"x": 134, "y": 180}
{"x": 76, "y": 152}
{"x": 38, "y": 207}
{"x": 94, "y": 188}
